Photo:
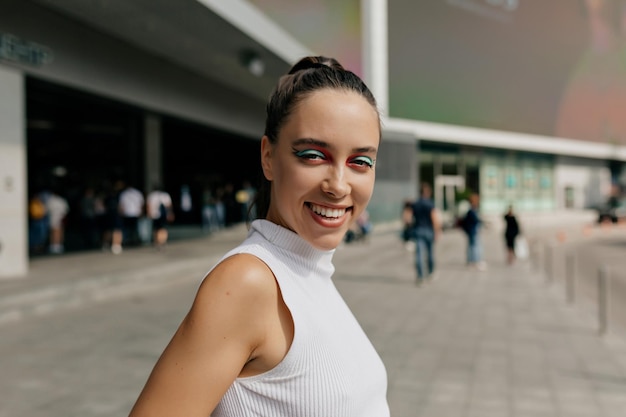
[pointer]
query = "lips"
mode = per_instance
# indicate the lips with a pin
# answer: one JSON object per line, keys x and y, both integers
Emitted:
{"x": 330, "y": 213}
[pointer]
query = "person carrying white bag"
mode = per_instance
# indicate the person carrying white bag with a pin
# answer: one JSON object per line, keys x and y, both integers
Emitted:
{"x": 516, "y": 245}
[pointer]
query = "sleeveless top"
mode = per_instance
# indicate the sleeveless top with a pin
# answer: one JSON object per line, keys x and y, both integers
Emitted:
{"x": 331, "y": 368}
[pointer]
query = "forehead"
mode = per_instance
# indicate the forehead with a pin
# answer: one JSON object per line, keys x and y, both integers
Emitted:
{"x": 334, "y": 115}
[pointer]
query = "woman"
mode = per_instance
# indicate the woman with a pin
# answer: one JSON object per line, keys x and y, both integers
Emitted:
{"x": 268, "y": 334}
{"x": 511, "y": 230}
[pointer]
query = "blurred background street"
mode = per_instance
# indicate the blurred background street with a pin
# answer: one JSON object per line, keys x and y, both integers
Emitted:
{"x": 501, "y": 342}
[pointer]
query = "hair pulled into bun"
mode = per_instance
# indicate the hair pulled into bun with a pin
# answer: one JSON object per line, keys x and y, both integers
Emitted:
{"x": 312, "y": 62}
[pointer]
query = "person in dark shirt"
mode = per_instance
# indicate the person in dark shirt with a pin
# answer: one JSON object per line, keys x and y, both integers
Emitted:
{"x": 425, "y": 231}
{"x": 511, "y": 231}
{"x": 471, "y": 226}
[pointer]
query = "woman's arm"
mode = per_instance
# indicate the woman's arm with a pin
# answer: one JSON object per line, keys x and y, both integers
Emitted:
{"x": 221, "y": 333}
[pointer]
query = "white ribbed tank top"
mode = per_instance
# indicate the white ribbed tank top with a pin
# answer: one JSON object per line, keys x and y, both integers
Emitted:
{"x": 331, "y": 368}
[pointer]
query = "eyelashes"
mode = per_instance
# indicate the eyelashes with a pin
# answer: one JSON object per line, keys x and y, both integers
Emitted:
{"x": 363, "y": 161}
{"x": 318, "y": 156}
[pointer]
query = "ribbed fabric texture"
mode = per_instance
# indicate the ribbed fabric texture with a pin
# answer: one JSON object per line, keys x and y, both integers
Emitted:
{"x": 331, "y": 369}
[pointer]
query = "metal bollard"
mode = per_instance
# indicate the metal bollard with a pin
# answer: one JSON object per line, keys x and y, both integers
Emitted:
{"x": 546, "y": 261}
{"x": 604, "y": 284}
{"x": 571, "y": 280}
{"x": 549, "y": 263}
{"x": 535, "y": 256}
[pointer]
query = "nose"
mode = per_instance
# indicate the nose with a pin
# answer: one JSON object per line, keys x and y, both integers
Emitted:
{"x": 336, "y": 184}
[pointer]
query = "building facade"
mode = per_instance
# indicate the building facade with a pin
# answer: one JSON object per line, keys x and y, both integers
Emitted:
{"x": 156, "y": 91}
{"x": 494, "y": 97}
{"x": 144, "y": 91}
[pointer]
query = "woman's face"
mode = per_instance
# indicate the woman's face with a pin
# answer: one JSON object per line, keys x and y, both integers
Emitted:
{"x": 322, "y": 166}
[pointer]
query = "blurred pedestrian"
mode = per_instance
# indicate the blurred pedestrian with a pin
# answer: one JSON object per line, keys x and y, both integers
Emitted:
{"x": 113, "y": 226}
{"x": 407, "y": 224}
{"x": 131, "y": 203}
{"x": 210, "y": 223}
{"x": 365, "y": 224}
{"x": 88, "y": 220}
{"x": 268, "y": 333}
{"x": 220, "y": 208}
{"x": 160, "y": 210}
{"x": 57, "y": 208}
{"x": 426, "y": 228}
{"x": 471, "y": 224}
{"x": 232, "y": 210}
{"x": 100, "y": 211}
{"x": 245, "y": 197}
{"x": 511, "y": 231}
{"x": 38, "y": 219}
{"x": 360, "y": 230}
{"x": 186, "y": 204}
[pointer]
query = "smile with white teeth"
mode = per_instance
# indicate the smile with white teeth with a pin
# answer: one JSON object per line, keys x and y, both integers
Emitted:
{"x": 327, "y": 212}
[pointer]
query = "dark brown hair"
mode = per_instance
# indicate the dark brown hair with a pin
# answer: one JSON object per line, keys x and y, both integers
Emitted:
{"x": 307, "y": 76}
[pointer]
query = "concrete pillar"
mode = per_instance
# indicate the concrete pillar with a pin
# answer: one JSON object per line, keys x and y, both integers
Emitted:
{"x": 461, "y": 167}
{"x": 153, "y": 148}
{"x": 375, "y": 51}
{"x": 13, "y": 184}
{"x": 437, "y": 165}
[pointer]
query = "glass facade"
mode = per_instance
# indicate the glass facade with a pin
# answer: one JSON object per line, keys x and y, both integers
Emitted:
{"x": 525, "y": 180}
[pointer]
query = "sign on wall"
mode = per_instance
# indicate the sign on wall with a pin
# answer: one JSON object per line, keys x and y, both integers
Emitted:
{"x": 15, "y": 49}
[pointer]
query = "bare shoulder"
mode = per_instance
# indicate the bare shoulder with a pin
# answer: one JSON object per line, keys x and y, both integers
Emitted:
{"x": 223, "y": 331}
{"x": 241, "y": 290}
{"x": 239, "y": 276}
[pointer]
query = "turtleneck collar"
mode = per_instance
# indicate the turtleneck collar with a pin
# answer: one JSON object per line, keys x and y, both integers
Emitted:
{"x": 291, "y": 243}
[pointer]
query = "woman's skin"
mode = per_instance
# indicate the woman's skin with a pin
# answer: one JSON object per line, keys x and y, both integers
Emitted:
{"x": 238, "y": 325}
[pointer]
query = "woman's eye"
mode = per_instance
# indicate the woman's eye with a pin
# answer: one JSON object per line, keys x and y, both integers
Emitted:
{"x": 364, "y": 161}
{"x": 310, "y": 154}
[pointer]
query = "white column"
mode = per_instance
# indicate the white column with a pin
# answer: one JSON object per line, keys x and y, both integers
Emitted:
{"x": 13, "y": 193}
{"x": 375, "y": 51}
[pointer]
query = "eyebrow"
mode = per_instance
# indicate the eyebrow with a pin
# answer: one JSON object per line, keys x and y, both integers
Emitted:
{"x": 326, "y": 145}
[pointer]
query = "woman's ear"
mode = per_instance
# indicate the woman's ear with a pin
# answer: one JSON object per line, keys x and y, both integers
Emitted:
{"x": 266, "y": 158}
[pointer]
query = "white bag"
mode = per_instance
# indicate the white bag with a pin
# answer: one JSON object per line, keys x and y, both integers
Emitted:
{"x": 521, "y": 247}
{"x": 144, "y": 229}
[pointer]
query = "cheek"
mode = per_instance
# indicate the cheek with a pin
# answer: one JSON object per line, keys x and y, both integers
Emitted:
{"x": 290, "y": 182}
{"x": 363, "y": 187}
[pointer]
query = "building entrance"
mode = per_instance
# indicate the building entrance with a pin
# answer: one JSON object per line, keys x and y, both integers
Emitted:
{"x": 446, "y": 189}
{"x": 75, "y": 142}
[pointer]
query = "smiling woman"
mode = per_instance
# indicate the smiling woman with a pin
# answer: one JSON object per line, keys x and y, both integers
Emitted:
{"x": 322, "y": 174}
{"x": 256, "y": 341}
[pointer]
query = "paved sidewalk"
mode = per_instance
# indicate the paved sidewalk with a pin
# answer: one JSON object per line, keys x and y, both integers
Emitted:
{"x": 74, "y": 280}
{"x": 495, "y": 343}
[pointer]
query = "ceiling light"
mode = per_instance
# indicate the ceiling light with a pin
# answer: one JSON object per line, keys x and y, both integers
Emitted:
{"x": 253, "y": 63}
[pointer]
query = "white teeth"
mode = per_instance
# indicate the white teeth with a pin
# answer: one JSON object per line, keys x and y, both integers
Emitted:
{"x": 328, "y": 212}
